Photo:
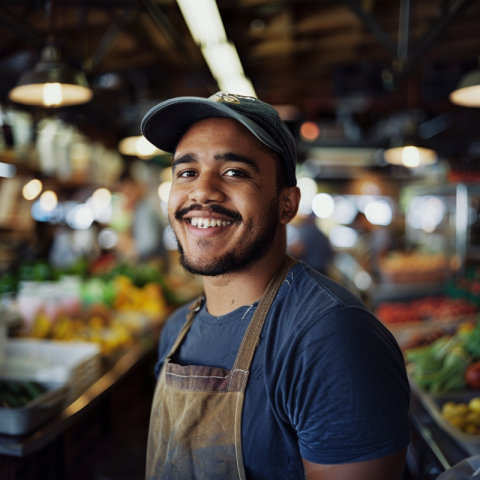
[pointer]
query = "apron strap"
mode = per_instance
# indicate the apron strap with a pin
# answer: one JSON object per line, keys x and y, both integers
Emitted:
{"x": 193, "y": 309}
{"x": 252, "y": 335}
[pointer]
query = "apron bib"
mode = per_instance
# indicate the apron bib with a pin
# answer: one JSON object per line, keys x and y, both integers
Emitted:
{"x": 195, "y": 424}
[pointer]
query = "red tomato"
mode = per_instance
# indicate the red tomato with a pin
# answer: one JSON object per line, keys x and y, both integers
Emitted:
{"x": 472, "y": 376}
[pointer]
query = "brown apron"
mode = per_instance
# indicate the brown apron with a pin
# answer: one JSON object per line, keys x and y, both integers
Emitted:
{"x": 195, "y": 425}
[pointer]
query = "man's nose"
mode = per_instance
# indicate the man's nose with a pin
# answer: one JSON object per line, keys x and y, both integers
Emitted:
{"x": 207, "y": 189}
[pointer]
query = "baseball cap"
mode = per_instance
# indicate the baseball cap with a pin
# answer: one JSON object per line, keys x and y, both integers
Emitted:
{"x": 165, "y": 124}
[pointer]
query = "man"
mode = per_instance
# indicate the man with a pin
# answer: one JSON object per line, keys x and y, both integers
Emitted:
{"x": 278, "y": 373}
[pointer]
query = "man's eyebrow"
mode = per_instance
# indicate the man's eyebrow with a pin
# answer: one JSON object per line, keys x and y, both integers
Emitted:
{"x": 187, "y": 158}
{"x": 235, "y": 157}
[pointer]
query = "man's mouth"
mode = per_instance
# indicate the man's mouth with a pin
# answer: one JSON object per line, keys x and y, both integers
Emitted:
{"x": 200, "y": 222}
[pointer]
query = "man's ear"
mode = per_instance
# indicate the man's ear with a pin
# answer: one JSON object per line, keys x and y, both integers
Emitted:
{"x": 290, "y": 200}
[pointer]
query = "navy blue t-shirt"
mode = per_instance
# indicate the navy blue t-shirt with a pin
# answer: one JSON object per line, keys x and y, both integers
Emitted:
{"x": 327, "y": 381}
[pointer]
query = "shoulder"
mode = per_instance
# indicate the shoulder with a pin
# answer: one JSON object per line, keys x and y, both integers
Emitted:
{"x": 307, "y": 297}
{"x": 318, "y": 318}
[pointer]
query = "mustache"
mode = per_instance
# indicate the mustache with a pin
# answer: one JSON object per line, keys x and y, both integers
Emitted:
{"x": 235, "y": 216}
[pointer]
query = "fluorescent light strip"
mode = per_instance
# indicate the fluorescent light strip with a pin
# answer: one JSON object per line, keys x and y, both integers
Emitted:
{"x": 223, "y": 60}
{"x": 203, "y": 20}
{"x": 205, "y": 24}
{"x": 240, "y": 85}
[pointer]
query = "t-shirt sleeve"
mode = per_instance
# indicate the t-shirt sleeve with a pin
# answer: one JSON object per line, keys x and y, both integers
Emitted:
{"x": 345, "y": 390}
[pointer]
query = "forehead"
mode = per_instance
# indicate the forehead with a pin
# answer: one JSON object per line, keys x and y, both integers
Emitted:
{"x": 220, "y": 131}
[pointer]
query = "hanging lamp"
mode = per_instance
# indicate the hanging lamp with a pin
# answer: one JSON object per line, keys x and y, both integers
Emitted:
{"x": 52, "y": 83}
{"x": 467, "y": 93}
{"x": 409, "y": 152}
{"x": 137, "y": 145}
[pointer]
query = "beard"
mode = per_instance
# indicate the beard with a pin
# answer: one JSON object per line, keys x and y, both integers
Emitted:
{"x": 255, "y": 247}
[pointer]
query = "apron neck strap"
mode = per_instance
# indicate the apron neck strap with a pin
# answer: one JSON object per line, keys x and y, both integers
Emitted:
{"x": 252, "y": 335}
{"x": 193, "y": 309}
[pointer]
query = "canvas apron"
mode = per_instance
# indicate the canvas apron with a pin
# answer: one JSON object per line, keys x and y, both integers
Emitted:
{"x": 195, "y": 425}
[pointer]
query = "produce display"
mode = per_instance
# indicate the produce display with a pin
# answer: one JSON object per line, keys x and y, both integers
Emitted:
{"x": 465, "y": 417}
{"x": 428, "y": 308}
{"x": 450, "y": 363}
{"x": 14, "y": 394}
{"x": 106, "y": 302}
{"x": 416, "y": 267}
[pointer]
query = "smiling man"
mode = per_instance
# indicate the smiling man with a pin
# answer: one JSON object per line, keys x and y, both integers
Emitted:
{"x": 277, "y": 372}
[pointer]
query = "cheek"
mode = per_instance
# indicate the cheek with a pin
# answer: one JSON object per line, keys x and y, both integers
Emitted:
{"x": 174, "y": 200}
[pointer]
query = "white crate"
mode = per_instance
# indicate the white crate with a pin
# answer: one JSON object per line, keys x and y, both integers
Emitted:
{"x": 74, "y": 364}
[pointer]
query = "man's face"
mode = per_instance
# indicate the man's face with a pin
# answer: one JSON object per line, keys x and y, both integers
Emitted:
{"x": 223, "y": 205}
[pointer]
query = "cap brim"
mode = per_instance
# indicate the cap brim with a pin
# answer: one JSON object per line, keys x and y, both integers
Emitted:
{"x": 165, "y": 124}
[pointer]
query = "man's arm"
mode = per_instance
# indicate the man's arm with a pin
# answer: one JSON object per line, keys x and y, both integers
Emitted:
{"x": 385, "y": 468}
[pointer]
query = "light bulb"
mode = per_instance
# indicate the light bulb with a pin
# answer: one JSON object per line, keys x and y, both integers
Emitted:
{"x": 101, "y": 197}
{"x": 410, "y": 157}
{"x": 144, "y": 147}
{"x": 52, "y": 94}
{"x": 32, "y": 189}
{"x": 48, "y": 201}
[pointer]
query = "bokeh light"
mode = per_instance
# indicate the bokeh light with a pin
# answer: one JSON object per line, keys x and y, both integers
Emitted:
{"x": 309, "y": 131}
{"x": 379, "y": 212}
{"x": 48, "y": 201}
{"x": 32, "y": 189}
{"x": 323, "y": 205}
{"x": 164, "y": 191}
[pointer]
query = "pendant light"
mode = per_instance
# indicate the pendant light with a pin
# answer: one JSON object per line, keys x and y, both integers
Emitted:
{"x": 409, "y": 152}
{"x": 52, "y": 83}
{"x": 138, "y": 146}
{"x": 467, "y": 93}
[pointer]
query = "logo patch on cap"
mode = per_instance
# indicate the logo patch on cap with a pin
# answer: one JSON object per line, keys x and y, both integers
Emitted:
{"x": 226, "y": 97}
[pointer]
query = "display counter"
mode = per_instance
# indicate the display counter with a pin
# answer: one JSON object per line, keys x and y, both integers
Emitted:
{"x": 117, "y": 404}
{"x": 431, "y": 450}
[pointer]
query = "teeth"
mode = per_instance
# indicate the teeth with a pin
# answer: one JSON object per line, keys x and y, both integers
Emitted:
{"x": 208, "y": 222}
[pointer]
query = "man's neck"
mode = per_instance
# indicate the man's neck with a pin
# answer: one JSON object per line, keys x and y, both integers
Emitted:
{"x": 226, "y": 293}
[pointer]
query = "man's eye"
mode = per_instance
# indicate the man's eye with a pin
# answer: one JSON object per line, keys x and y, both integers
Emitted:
{"x": 187, "y": 173}
{"x": 232, "y": 172}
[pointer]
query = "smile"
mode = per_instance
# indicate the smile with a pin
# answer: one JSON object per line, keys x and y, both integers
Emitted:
{"x": 208, "y": 222}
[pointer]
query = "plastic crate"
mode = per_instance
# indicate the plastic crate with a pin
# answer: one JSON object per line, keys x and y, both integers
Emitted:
{"x": 74, "y": 364}
{"x": 25, "y": 419}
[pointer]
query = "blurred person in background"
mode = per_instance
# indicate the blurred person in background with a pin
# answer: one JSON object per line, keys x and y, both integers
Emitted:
{"x": 374, "y": 242}
{"x": 277, "y": 372}
{"x": 311, "y": 245}
{"x": 144, "y": 238}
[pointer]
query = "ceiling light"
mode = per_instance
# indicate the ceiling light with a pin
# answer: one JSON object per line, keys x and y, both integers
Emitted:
{"x": 51, "y": 83}
{"x": 467, "y": 93}
{"x": 203, "y": 20}
{"x": 206, "y": 27}
{"x": 409, "y": 151}
{"x": 410, "y": 156}
{"x": 240, "y": 84}
{"x": 138, "y": 146}
{"x": 223, "y": 61}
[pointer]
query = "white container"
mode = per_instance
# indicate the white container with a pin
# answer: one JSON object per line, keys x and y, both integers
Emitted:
{"x": 74, "y": 364}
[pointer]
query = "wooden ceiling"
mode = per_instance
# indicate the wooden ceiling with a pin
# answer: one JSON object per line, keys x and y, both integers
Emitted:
{"x": 317, "y": 55}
